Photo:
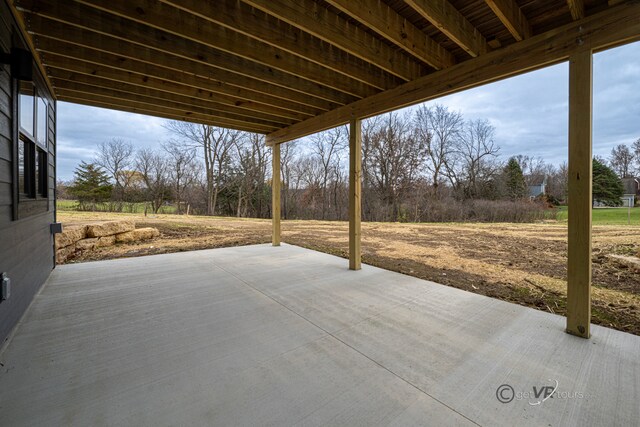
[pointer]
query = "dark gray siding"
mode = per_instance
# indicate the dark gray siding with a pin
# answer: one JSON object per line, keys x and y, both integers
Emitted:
{"x": 26, "y": 244}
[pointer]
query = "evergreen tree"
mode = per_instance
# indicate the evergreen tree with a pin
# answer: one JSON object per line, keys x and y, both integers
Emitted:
{"x": 91, "y": 185}
{"x": 515, "y": 185}
{"x": 607, "y": 186}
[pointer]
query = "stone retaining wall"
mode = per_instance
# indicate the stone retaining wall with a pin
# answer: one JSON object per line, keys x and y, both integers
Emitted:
{"x": 88, "y": 237}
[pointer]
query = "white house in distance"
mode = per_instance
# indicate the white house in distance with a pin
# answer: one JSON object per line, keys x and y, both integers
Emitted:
{"x": 631, "y": 191}
{"x": 537, "y": 185}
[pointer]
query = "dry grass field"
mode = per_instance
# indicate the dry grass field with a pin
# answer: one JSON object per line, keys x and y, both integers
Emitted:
{"x": 521, "y": 263}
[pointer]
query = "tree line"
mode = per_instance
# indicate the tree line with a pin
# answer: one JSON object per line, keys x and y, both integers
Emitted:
{"x": 430, "y": 164}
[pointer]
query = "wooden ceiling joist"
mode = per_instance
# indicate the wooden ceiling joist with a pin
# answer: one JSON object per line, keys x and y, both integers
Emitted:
{"x": 93, "y": 101}
{"x": 256, "y": 24}
{"x": 316, "y": 20}
{"x": 19, "y": 17}
{"x": 62, "y": 67}
{"x": 382, "y": 19}
{"x": 290, "y": 68}
{"x": 95, "y": 20}
{"x": 512, "y": 17}
{"x": 121, "y": 93}
{"x": 607, "y": 29}
{"x": 90, "y": 83}
{"x": 81, "y": 59}
{"x": 178, "y": 22}
{"x": 576, "y": 7}
{"x": 452, "y": 23}
{"x": 243, "y": 89}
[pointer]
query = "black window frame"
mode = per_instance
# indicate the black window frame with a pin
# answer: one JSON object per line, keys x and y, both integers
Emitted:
{"x": 32, "y": 197}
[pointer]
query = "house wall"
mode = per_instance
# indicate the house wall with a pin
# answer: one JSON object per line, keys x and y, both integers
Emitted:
{"x": 628, "y": 200}
{"x": 26, "y": 243}
{"x": 536, "y": 190}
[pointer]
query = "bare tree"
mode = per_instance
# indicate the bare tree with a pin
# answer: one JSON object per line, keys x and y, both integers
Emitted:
{"x": 116, "y": 157}
{"x": 636, "y": 152}
{"x": 216, "y": 145}
{"x": 622, "y": 159}
{"x": 253, "y": 159}
{"x": 181, "y": 169}
{"x": 309, "y": 173}
{"x": 288, "y": 155}
{"x": 328, "y": 148}
{"x": 532, "y": 167}
{"x": 439, "y": 129}
{"x": 153, "y": 167}
{"x": 393, "y": 158}
{"x": 557, "y": 181}
{"x": 474, "y": 165}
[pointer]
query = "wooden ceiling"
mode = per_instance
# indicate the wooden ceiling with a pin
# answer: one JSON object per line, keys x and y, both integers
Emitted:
{"x": 288, "y": 68}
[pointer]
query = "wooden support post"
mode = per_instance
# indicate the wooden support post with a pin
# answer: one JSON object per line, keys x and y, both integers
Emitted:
{"x": 580, "y": 183}
{"x": 275, "y": 195}
{"x": 355, "y": 191}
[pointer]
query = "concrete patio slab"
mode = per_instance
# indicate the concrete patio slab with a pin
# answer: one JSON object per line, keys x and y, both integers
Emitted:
{"x": 259, "y": 335}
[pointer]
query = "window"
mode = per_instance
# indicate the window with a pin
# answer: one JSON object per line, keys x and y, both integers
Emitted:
{"x": 21, "y": 158}
{"x": 26, "y": 167}
{"x": 41, "y": 115}
{"x": 32, "y": 143}
{"x": 26, "y": 108}
{"x": 41, "y": 173}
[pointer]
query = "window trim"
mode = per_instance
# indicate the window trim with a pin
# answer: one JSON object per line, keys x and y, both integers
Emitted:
{"x": 43, "y": 143}
{"x": 36, "y": 200}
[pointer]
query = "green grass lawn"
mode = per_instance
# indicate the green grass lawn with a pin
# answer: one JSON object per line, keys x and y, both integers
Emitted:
{"x": 72, "y": 205}
{"x": 608, "y": 216}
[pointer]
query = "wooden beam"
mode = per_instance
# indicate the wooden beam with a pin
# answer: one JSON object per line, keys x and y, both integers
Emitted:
{"x": 178, "y": 22}
{"x": 509, "y": 13}
{"x": 23, "y": 29}
{"x": 132, "y": 109}
{"x": 87, "y": 61}
{"x": 580, "y": 198}
{"x": 161, "y": 111}
{"x": 275, "y": 195}
{"x": 62, "y": 79}
{"x": 355, "y": 193}
{"x": 77, "y": 71}
{"x": 390, "y": 25}
{"x": 67, "y": 39}
{"x": 315, "y": 19}
{"x": 452, "y": 23}
{"x": 95, "y": 20}
{"x": 121, "y": 93}
{"x": 612, "y": 27}
{"x": 576, "y": 7}
{"x": 258, "y": 25}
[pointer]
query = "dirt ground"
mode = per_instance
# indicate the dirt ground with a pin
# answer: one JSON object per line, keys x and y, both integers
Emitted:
{"x": 520, "y": 263}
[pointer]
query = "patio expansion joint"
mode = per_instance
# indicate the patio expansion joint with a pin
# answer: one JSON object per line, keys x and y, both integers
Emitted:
{"x": 332, "y": 335}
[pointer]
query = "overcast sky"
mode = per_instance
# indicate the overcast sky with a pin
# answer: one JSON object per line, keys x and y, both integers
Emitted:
{"x": 529, "y": 113}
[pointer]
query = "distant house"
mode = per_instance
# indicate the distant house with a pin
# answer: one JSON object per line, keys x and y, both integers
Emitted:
{"x": 537, "y": 185}
{"x": 631, "y": 191}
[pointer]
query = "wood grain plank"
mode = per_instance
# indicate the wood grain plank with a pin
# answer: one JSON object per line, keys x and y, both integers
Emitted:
{"x": 315, "y": 19}
{"x": 609, "y": 28}
{"x": 233, "y": 49}
{"x": 512, "y": 17}
{"x": 580, "y": 198}
{"x": 385, "y": 21}
{"x": 355, "y": 194}
{"x": 275, "y": 195}
{"x": 131, "y": 64}
{"x": 238, "y": 16}
{"x": 452, "y": 23}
